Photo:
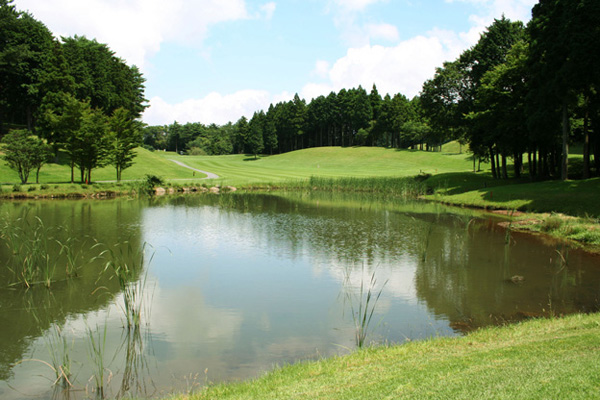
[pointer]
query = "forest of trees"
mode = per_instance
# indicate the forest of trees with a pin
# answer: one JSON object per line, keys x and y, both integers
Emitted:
{"x": 521, "y": 91}
{"x": 73, "y": 94}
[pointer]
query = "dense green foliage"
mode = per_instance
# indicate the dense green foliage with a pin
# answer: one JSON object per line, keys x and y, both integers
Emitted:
{"x": 73, "y": 92}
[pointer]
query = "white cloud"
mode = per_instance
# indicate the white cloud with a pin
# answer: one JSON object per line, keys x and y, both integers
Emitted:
{"x": 213, "y": 108}
{"x": 355, "y": 5}
{"x": 268, "y": 10}
{"x": 516, "y": 10}
{"x": 321, "y": 69}
{"x": 135, "y": 29}
{"x": 398, "y": 69}
{"x": 382, "y": 31}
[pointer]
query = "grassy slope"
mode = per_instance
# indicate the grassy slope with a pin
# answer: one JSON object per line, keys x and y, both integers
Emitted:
{"x": 146, "y": 162}
{"x": 579, "y": 198}
{"x": 538, "y": 359}
{"x": 326, "y": 162}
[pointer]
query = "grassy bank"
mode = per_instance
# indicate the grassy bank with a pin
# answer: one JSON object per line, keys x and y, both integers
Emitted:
{"x": 538, "y": 359}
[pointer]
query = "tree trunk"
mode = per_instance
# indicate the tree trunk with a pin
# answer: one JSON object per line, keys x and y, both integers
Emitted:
{"x": 493, "y": 162}
{"x": 596, "y": 149}
{"x": 564, "y": 172}
{"x": 586, "y": 143}
{"x": 517, "y": 164}
{"x": 504, "y": 171}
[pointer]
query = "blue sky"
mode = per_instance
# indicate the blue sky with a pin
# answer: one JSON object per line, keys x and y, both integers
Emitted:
{"x": 212, "y": 61}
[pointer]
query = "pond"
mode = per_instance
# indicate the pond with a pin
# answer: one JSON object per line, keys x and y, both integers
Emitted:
{"x": 231, "y": 286}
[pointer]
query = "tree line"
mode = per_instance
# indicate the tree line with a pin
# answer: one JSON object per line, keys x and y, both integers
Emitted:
{"x": 520, "y": 92}
{"x": 350, "y": 117}
{"x": 71, "y": 97}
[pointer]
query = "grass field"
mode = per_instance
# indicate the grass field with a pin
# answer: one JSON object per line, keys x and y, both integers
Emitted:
{"x": 146, "y": 162}
{"x": 538, "y": 359}
{"x": 329, "y": 162}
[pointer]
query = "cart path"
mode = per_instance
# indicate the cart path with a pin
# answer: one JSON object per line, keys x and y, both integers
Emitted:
{"x": 209, "y": 175}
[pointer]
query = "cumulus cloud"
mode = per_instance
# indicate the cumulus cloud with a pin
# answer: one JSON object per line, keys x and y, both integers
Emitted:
{"x": 135, "y": 29}
{"x": 213, "y": 108}
{"x": 403, "y": 67}
{"x": 268, "y": 10}
{"x": 489, "y": 9}
{"x": 396, "y": 69}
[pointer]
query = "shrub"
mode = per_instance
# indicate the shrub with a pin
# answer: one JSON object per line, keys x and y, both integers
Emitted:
{"x": 44, "y": 187}
{"x": 196, "y": 151}
{"x": 552, "y": 223}
{"x": 147, "y": 185}
{"x": 31, "y": 189}
{"x": 16, "y": 188}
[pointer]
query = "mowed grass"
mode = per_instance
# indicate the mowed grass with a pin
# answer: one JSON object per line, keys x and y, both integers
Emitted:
{"x": 330, "y": 162}
{"x": 577, "y": 198}
{"x": 146, "y": 162}
{"x": 538, "y": 359}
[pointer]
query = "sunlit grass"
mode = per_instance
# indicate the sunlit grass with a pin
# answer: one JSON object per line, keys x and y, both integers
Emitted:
{"x": 537, "y": 359}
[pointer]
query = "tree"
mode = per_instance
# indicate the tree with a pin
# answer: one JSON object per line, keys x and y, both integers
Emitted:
{"x": 565, "y": 47}
{"x": 24, "y": 153}
{"x": 254, "y": 140}
{"x": 92, "y": 149}
{"x": 29, "y": 66}
{"x": 61, "y": 121}
{"x": 124, "y": 136}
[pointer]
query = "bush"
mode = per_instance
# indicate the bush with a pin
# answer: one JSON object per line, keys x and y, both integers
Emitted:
{"x": 31, "y": 189}
{"x": 16, "y": 187}
{"x": 552, "y": 223}
{"x": 147, "y": 185}
{"x": 44, "y": 187}
{"x": 196, "y": 151}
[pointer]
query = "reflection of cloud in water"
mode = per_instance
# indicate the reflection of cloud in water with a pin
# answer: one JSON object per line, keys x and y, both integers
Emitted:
{"x": 398, "y": 276}
{"x": 182, "y": 317}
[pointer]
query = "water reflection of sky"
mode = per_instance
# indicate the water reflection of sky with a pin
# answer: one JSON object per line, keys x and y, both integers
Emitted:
{"x": 239, "y": 292}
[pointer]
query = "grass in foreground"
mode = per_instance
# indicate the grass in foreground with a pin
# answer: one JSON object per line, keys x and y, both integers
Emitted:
{"x": 539, "y": 359}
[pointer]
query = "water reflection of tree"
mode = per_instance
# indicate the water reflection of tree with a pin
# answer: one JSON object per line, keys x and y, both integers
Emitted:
{"x": 473, "y": 277}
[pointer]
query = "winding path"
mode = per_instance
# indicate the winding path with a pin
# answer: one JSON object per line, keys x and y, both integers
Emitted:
{"x": 209, "y": 175}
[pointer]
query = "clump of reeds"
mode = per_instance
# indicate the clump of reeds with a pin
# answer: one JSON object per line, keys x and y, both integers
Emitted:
{"x": 126, "y": 264}
{"x": 362, "y": 304}
{"x": 96, "y": 350}
{"x": 60, "y": 359}
{"x": 404, "y": 187}
{"x": 29, "y": 246}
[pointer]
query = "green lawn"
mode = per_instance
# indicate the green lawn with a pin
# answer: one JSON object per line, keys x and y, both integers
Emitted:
{"x": 146, "y": 162}
{"x": 326, "y": 162}
{"x": 539, "y": 359}
{"x": 578, "y": 198}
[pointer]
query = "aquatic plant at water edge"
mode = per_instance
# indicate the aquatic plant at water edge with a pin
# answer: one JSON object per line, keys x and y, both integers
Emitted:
{"x": 96, "y": 350}
{"x": 126, "y": 264}
{"x": 29, "y": 243}
{"x": 362, "y": 304}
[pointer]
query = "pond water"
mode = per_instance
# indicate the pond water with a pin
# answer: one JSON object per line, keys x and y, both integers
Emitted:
{"x": 233, "y": 285}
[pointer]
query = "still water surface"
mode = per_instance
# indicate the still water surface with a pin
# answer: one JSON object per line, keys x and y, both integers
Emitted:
{"x": 234, "y": 285}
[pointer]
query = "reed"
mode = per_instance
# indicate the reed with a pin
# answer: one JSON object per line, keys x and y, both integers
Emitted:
{"x": 125, "y": 264}
{"x": 59, "y": 350}
{"x": 30, "y": 254}
{"x": 363, "y": 304}
{"x": 404, "y": 187}
{"x": 96, "y": 350}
